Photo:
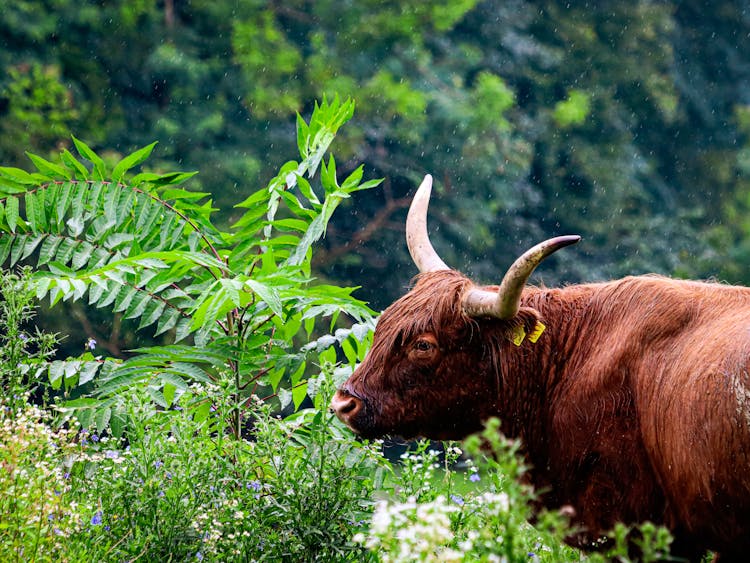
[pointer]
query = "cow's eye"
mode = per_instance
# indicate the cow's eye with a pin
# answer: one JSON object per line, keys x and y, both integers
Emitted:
{"x": 424, "y": 349}
{"x": 423, "y": 345}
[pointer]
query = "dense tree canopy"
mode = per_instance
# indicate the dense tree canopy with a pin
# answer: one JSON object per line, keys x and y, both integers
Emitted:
{"x": 625, "y": 122}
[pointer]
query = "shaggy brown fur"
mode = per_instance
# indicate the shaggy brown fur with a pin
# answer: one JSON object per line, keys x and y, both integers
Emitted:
{"x": 634, "y": 404}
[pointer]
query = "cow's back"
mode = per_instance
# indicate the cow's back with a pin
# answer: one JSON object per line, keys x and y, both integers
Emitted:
{"x": 694, "y": 411}
{"x": 652, "y": 417}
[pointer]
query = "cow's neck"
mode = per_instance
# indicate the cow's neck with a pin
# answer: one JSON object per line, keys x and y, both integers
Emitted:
{"x": 531, "y": 371}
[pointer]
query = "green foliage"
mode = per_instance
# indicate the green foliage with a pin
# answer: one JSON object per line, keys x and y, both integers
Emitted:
{"x": 652, "y": 173}
{"x": 37, "y": 513}
{"x": 24, "y": 349}
{"x": 181, "y": 490}
{"x": 146, "y": 248}
{"x": 482, "y": 513}
{"x": 573, "y": 110}
{"x": 40, "y": 109}
{"x": 493, "y": 99}
{"x": 267, "y": 58}
{"x": 301, "y": 488}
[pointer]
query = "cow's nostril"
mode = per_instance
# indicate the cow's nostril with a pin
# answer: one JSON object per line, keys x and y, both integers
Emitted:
{"x": 348, "y": 407}
{"x": 344, "y": 406}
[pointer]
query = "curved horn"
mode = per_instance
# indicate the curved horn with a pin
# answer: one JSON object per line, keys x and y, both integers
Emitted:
{"x": 420, "y": 247}
{"x": 505, "y": 303}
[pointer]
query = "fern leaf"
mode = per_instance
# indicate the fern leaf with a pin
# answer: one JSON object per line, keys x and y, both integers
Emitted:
{"x": 86, "y": 152}
{"x": 30, "y": 245}
{"x": 49, "y": 248}
{"x": 47, "y": 168}
{"x": 167, "y": 321}
{"x": 137, "y": 305}
{"x": 152, "y": 313}
{"x": 18, "y": 175}
{"x": 81, "y": 255}
{"x": 64, "y": 197}
{"x": 72, "y": 164}
{"x": 11, "y": 213}
{"x": 6, "y": 241}
{"x": 130, "y": 161}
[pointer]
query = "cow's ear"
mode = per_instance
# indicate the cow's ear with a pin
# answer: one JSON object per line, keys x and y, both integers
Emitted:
{"x": 526, "y": 325}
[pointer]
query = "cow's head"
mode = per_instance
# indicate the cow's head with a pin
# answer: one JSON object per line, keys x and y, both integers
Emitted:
{"x": 432, "y": 370}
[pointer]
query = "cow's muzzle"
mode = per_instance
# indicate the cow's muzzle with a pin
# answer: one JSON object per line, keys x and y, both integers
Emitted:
{"x": 346, "y": 406}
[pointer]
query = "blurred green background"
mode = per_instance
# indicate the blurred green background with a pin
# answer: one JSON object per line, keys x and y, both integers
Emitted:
{"x": 625, "y": 122}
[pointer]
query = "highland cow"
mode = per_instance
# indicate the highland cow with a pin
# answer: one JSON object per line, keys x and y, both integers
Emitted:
{"x": 631, "y": 397}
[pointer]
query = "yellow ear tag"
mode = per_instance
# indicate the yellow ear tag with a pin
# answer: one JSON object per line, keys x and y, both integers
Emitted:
{"x": 518, "y": 335}
{"x": 537, "y": 332}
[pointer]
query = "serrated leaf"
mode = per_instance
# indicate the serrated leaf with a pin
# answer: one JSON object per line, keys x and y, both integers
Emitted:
{"x": 115, "y": 291}
{"x": 268, "y": 294}
{"x": 102, "y": 419}
{"x": 77, "y": 203}
{"x": 48, "y": 168}
{"x": 88, "y": 372}
{"x": 183, "y": 329}
{"x": 167, "y": 321}
{"x": 30, "y": 245}
{"x": 17, "y": 175}
{"x": 94, "y": 193}
{"x": 19, "y": 243}
{"x": 191, "y": 370}
{"x": 97, "y": 289}
{"x": 137, "y": 305}
{"x": 64, "y": 197}
{"x": 131, "y": 160}
{"x": 111, "y": 198}
{"x": 6, "y": 242}
{"x": 81, "y": 255}
{"x": 11, "y": 213}
{"x": 171, "y": 178}
{"x": 124, "y": 298}
{"x": 75, "y": 226}
{"x": 10, "y": 187}
{"x": 147, "y": 218}
{"x": 152, "y": 313}
{"x": 86, "y": 152}
{"x": 35, "y": 211}
{"x": 73, "y": 165}
{"x": 65, "y": 250}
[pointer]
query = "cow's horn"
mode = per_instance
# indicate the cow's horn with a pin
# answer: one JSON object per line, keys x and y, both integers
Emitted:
{"x": 420, "y": 247}
{"x": 505, "y": 303}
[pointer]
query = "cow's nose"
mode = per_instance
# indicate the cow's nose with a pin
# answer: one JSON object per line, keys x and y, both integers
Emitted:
{"x": 345, "y": 406}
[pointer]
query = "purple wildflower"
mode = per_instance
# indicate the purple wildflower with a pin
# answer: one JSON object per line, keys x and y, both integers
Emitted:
{"x": 458, "y": 499}
{"x": 474, "y": 477}
{"x": 91, "y": 344}
{"x": 96, "y": 519}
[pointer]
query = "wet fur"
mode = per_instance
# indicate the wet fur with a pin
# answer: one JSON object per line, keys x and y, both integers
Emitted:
{"x": 633, "y": 405}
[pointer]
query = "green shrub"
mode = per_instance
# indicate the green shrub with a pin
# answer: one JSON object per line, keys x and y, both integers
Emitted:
{"x": 172, "y": 456}
{"x": 39, "y": 513}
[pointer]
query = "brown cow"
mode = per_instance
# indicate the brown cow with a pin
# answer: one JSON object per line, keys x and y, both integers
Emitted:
{"x": 632, "y": 405}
